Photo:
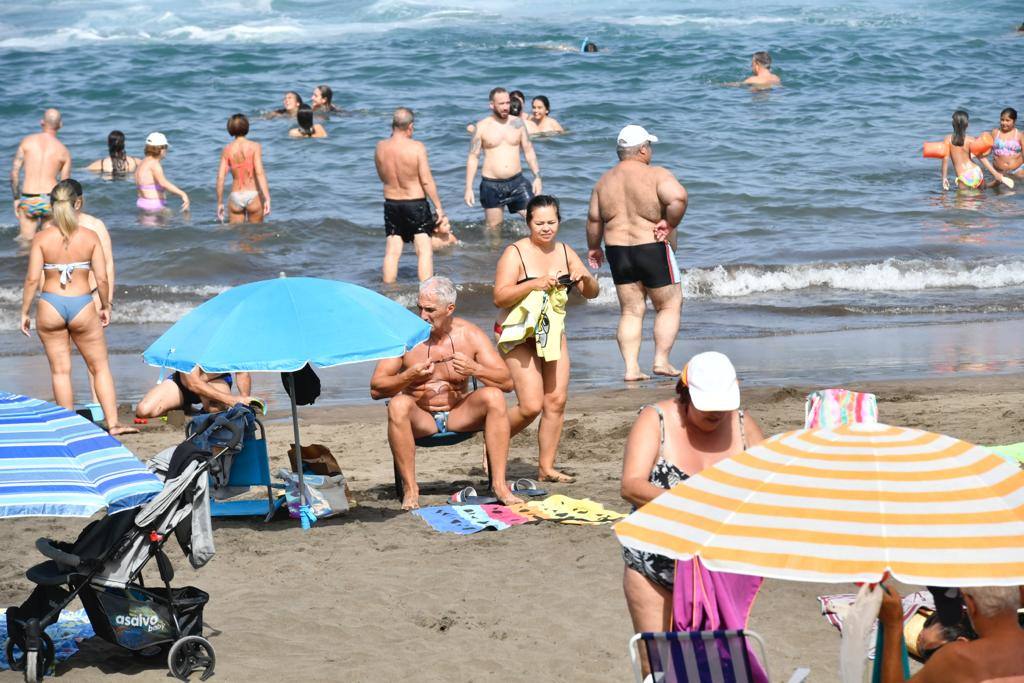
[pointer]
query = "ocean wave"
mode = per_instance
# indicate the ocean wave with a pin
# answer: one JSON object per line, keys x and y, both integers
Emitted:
{"x": 681, "y": 19}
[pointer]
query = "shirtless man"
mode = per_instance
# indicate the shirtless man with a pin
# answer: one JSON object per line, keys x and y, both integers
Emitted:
{"x": 184, "y": 390}
{"x": 46, "y": 161}
{"x": 996, "y": 656}
{"x": 429, "y": 390}
{"x": 635, "y": 208}
{"x": 761, "y": 65}
{"x": 405, "y": 171}
{"x": 501, "y": 137}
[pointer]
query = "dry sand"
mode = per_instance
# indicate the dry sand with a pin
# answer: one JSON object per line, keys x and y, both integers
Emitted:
{"x": 377, "y": 595}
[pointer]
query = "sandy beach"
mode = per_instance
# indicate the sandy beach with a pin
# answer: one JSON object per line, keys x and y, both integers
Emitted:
{"x": 377, "y": 595}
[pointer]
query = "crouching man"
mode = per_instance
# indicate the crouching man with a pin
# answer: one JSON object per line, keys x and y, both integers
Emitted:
{"x": 429, "y": 390}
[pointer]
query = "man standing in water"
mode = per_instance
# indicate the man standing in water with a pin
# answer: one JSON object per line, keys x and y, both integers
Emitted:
{"x": 501, "y": 138}
{"x": 405, "y": 171}
{"x": 634, "y": 209}
{"x": 46, "y": 161}
{"x": 761, "y": 65}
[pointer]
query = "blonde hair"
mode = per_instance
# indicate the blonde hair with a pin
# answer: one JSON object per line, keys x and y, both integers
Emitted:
{"x": 154, "y": 150}
{"x": 62, "y": 200}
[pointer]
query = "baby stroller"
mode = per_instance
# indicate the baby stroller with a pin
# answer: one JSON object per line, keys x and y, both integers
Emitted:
{"x": 104, "y": 566}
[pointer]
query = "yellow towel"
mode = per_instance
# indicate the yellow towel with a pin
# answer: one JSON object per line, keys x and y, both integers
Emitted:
{"x": 574, "y": 510}
{"x": 541, "y": 315}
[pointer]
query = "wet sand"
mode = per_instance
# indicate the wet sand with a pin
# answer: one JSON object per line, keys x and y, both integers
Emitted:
{"x": 377, "y": 595}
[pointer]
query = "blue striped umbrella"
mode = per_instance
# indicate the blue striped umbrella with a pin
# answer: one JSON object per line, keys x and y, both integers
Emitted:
{"x": 55, "y": 463}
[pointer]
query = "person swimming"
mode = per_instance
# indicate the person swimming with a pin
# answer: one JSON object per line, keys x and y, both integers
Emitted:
{"x": 968, "y": 173}
{"x": 290, "y": 104}
{"x": 117, "y": 163}
{"x": 150, "y": 180}
{"x": 1007, "y": 156}
{"x": 306, "y": 127}
{"x": 540, "y": 121}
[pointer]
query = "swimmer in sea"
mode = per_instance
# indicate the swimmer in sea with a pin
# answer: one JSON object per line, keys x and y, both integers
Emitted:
{"x": 290, "y": 104}
{"x": 150, "y": 181}
{"x": 306, "y": 129}
{"x": 322, "y": 100}
{"x": 1007, "y": 159}
{"x": 968, "y": 173}
{"x": 589, "y": 46}
{"x": 540, "y": 123}
{"x": 761, "y": 65}
{"x": 116, "y": 163}
{"x": 249, "y": 200}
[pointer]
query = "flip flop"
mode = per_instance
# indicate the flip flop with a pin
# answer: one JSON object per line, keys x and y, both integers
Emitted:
{"x": 527, "y": 487}
{"x": 468, "y": 496}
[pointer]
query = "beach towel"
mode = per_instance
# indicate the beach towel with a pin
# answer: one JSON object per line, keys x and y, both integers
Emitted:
{"x": 835, "y": 608}
{"x": 567, "y": 510}
{"x": 1013, "y": 453}
{"x": 71, "y": 628}
{"x": 504, "y": 514}
{"x": 540, "y": 315}
{"x": 706, "y": 600}
{"x": 532, "y": 514}
{"x": 475, "y": 514}
{"x": 834, "y": 407}
{"x": 468, "y": 519}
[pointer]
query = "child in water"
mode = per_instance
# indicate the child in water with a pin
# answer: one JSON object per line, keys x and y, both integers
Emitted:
{"x": 968, "y": 173}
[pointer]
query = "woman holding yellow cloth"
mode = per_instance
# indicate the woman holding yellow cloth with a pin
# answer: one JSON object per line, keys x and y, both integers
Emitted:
{"x": 531, "y": 286}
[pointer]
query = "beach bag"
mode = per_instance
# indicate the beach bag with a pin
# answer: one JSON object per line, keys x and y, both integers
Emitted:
{"x": 834, "y": 407}
{"x": 326, "y": 496}
{"x": 316, "y": 458}
{"x": 307, "y": 385}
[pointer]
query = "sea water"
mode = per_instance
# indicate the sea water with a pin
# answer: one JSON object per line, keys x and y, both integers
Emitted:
{"x": 813, "y": 221}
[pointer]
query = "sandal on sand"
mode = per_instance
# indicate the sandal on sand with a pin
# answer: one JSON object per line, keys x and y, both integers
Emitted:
{"x": 468, "y": 496}
{"x": 527, "y": 487}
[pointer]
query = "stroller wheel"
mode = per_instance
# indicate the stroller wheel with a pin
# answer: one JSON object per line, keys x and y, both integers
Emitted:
{"x": 35, "y": 664}
{"x": 191, "y": 653}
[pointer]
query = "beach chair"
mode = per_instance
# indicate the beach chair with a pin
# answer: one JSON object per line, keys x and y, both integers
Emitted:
{"x": 447, "y": 438}
{"x": 696, "y": 656}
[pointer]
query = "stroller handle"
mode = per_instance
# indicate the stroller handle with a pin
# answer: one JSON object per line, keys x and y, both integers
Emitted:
{"x": 46, "y": 547}
{"x": 236, "y": 432}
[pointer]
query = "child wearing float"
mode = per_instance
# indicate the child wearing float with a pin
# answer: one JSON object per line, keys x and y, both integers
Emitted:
{"x": 962, "y": 150}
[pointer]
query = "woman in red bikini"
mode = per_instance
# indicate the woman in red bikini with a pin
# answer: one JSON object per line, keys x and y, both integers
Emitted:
{"x": 249, "y": 200}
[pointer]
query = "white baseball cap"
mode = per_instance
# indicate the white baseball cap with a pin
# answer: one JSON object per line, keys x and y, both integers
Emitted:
{"x": 712, "y": 382}
{"x": 157, "y": 140}
{"x": 633, "y": 135}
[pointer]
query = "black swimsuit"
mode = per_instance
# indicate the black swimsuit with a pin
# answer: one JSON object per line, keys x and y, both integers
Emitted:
{"x": 527, "y": 278}
{"x": 658, "y": 568}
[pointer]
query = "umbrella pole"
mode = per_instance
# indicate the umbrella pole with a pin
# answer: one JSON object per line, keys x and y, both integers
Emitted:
{"x": 303, "y": 503}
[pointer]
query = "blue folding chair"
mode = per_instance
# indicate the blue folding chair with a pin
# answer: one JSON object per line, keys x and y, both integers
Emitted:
{"x": 700, "y": 656}
{"x": 250, "y": 467}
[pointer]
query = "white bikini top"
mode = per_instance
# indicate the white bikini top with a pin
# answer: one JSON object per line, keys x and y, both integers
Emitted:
{"x": 66, "y": 269}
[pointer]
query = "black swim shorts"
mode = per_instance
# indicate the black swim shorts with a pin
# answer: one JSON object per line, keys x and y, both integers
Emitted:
{"x": 514, "y": 193}
{"x": 188, "y": 397}
{"x": 653, "y": 264}
{"x": 407, "y": 218}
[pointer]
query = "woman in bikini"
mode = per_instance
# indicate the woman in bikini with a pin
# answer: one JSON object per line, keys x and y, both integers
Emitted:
{"x": 1007, "y": 157}
{"x": 968, "y": 174}
{"x": 117, "y": 163}
{"x": 307, "y": 129}
{"x": 538, "y": 262}
{"x": 65, "y": 254}
{"x": 249, "y": 200}
{"x": 150, "y": 181}
{"x": 540, "y": 123}
{"x": 670, "y": 441}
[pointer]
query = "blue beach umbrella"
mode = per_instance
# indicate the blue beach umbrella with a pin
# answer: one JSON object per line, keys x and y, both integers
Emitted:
{"x": 54, "y": 462}
{"x": 280, "y": 325}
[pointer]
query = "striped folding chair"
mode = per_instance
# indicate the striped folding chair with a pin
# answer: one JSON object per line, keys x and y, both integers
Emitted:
{"x": 699, "y": 657}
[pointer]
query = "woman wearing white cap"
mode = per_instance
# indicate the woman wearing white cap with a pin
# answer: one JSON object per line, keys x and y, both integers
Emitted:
{"x": 150, "y": 181}
{"x": 670, "y": 441}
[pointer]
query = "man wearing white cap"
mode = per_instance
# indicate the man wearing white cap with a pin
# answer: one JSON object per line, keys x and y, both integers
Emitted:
{"x": 634, "y": 210}
{"x": 150, "y": 181}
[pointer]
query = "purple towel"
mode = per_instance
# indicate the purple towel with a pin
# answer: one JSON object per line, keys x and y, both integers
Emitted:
{"x": 705, "y": 600}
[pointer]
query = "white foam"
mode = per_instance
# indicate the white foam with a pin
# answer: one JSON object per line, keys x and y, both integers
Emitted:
{"x": 683, "y": 19}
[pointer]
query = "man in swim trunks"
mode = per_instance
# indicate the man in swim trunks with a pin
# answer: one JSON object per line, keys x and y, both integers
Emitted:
{"x": 429, "y": 390}
{"x": 186, "y": 390}
{"x": 405, "y": 172}
{"x": 501, "y": 138}
{"x": 46, "y": 161}
{"x": 634, "y": 209}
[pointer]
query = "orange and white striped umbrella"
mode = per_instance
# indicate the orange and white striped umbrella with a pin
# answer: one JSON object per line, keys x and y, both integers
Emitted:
{"x": 844, "y": 505}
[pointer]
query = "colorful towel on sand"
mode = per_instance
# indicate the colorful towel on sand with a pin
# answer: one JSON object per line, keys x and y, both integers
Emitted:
{"x": 568, "y": 510}
{"x": 835, "y": 607}
{"x": 469, "y": 519}
{"x": 834, "y": 407}
{"x": 71, "y": 628}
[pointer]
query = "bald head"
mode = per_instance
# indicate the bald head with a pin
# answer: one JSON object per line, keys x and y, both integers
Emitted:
{"x": 51, "y": 119}
{"x": 402, "y": 118}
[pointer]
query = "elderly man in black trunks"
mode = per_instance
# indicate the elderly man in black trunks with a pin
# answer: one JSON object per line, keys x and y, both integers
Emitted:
{"x": 634, "y": 209}
{"x": 429, "y": 390}
{"x": 186, "y": 390}
{"x": 405, "y": 172}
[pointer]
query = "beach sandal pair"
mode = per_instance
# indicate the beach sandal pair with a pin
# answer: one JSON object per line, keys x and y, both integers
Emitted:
{"x": 527, "y": 487}
{"x": 469, "y": 496}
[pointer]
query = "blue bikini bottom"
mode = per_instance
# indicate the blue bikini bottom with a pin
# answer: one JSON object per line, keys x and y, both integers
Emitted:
{"x": 67, "y": 306}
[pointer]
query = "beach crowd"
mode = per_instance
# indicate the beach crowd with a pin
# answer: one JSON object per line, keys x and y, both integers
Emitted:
{"x": 634, "y": 212}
